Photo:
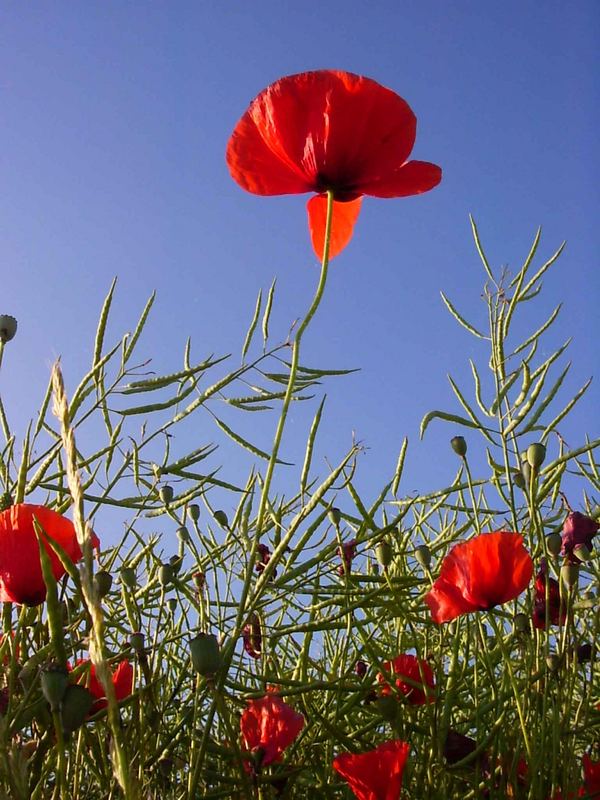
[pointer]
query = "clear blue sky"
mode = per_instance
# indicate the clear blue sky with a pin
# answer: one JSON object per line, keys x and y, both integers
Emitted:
{"x": 114, "y": 121}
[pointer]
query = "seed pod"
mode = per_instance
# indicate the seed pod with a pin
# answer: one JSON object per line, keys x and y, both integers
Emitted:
{"x": 581, "y": 553}
{"x": 165, "y": 574}
{"x": 137, "y": 641}
{"x": 519, "y": 479}
{"x": 172, "y": 603}
{"x": 521, "y": 623}
{"x": 335, "y": 516}
{"x": 459, "y": 445}
{"x": 536, "y": 453}
{"x": 102, "y": 582}
{"x": 569, "y": 574}
{"x": 205, "y": 653}
{"x": 526, "y": 471}
{"x": 166, "y": 494}
{"x": 8, "y": 328}
{"x": 388, "y": 707}
{"x": 76, "y": 705}
{"x": 183, "y": 534}
{"x": 384, "y": 553}
{"x": 175, "y": 563}
{"x": 554, "y": 543}
{"x": 553, "y": 662}
{"x": 194, "y": 512}
{"x": 128, "y": 577}
{"x": 423, "y": 555}
{"x": 54, "y": 682}
{"x": 221, "y": 518}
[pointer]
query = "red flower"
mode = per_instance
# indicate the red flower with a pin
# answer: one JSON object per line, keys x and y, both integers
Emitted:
{"x": 376, "y": 774}
{"x": 591, "y": 778}
{"x": 252, "y": 637}
{"x": 269, "y": 726}
{"x": 577, "y": 530}
{"x": 484, "y": 572}
{"x": 555, "y": 615}
{"x": 122, "y": 681}
{"x": 21, "y": 578}
{"x": 412, "y": 673}
{"x": 329, "y": 130}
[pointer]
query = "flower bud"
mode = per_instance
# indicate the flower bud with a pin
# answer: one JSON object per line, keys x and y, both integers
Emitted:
{"x": 584, "y": 652}
{"x": 581, "y": 553}
{"x": 553, "y": 662}
{"x": 335, "y": 516}
{"x": 172, "y": 604}
{"x": 137, "y": 641}
{"x": 384, "y": 553}
{"x": 183, "y": 534}
{"x": 175, "y": 563}
{"x": 221, "y": 518}
{"x": 360, "y": 668}
{"x": 536, "y": 453}
{"x": 519, "y": 479}
{"x": 554, "y": 543}
{"x": 128, "y": 577}
{"x": 569, "y": 574}
{"x": 521, "y": 623}
{"x": 54, "y": 682}
{"x": 388, "y": 707}
{"x": 8, "y": 328}
{"x": 423, "y": 556}
{"x": 76, "y": 705}
{"x": 165, "y": 574}
{"x": 526, "y": 472}
{"x": 102, "y": 582}
{"x": 166, "y": 494}
{"x": 199, "y": 580}
{"x": 205, "y": 653}
{"x": 459, "y": 445}
{"x": 194, "y": 512}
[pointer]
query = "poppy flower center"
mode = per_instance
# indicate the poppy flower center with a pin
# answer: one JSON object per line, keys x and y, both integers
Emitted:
{"x": 343, "y": 191}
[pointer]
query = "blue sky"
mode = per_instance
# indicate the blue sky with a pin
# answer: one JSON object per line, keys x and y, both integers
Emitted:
{"x": 115, "y": 118}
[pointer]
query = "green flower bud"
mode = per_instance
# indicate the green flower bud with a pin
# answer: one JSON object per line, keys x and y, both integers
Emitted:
{"x": 128, "y": 577}
{"x": 554, "y": 543}
{"x": 552, "y": 662}
{"x": 137, "y": 641}
{"x": 387, "y": 707}
{"x": 165, "y": 574}
{"x": 459, "y": 445}
{"x": 166, "y": 494}
{"x": 335, "y": 516}
{"x": 183, "y": 534}
{"x": 172, "y": 603}
{"x": 205, "y": 653}
{"x": 536, "y": 453}
{"x": 519, "y": 479}
{"x": 221, "y": 518}
{"x": 175, "y": 562}
{"x": 76, "y": 705}
{"x": 521, "y": 623}
{"x": 526, "y": 471}
{"x": 102, "y": 582}
{"x": 193, "y": 511}
{"x": 8, "y": 328}
{"x": 423, "y": 555}
{"x": 569, "y": 574}
{"x": 384, "y": 553}
{"x": 582, "y": 553}
{"x": 54, "y": 682}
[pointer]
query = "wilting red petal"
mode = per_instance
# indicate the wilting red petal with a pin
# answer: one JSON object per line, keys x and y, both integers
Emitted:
{"x": 21, "y": 578}
{"x": 376, "y": 774}
{"x": 414, "y": 177}
{"x": 405, "y": 671}
{"x": 486, "y": 571}
{"x": 343, "y": 221}
{"x": 269, "y": 726}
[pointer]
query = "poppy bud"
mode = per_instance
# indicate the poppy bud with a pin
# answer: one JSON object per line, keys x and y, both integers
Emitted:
{"x": 175, "y": 563}
{"x": 577, "y": 529}
{"x": 554, "y": 543}
{"x": 8, "y": 328}
{"x": 388, "y": 707}
{"x": 199, "y": 580}
{"x": 166, "y": 494}
{"x": 183, "y": 534}
{"x": 335, "y": 516}
{"x": 584, "y": 652}
{"x": 54, "y": 682}
{"x": 102, "y": 582}
{"x": 384, "y": 553}
{"x": 360, "y": 668}
{"x": 569, "y": 574}
{"x": 172, "y": 603}
{"x": 76, "y": 705}
{"x": 221, "y": 518}
{"x": 521, "y": 623}
{"x": 193, "y": 512}
{"x": 165, "y": 574}
{"x": 137, "y": 641}
{"x": 526, "y": 472}
{"x": 205, "y": 653}
{"x": 536, "y": 453}
{"x": 553, "y": 662}
{"x": 581, "y": 553}
{"x": 128, "y": 577}
{"x": 423, "y": 555}
{"x": 459, "y": 445}
{"x": 519, "y": 479}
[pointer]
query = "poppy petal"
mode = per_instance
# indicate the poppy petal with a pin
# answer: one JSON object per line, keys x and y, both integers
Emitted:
{"x": 344, "y": 219}
{"x": 414, "y": 177}
{"x": 376, "y": 774}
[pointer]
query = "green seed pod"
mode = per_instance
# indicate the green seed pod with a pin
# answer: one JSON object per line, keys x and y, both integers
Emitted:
{"x": 205, "y": 653}
{"x": 165, "y": 574}
{"x": 569, "y": 574}
{"x": 335, "y": 516}
{"x": 519, "y": 479}
{"x": 137, "y": 641}
{"x": 102, "y": 582}
{"x": 423, "y": 556}
{"x": 521, "y": 623}
{"x": 554, "y": 543}
{"x": 582, "y": 553}
{"x": 526, "y": 471}
{"x": 128, "y": 577}
{"x": 54, "y": 682}
{"x": 166, "y": 494}
{"x": 172, "y": 604}
{"x": 553, "y": 662}
{"x": 175, "y": 563}
{"x": 76, "y": 705}
{"x": 8, "y": 328}
{"x": 387, "y": 706}
{"x": 221, "y": 518}
{"x": 183, "y": 534}
{"x": 536, "y": 453}
{"x": 193, "y": 511}
{"x": 384, "y": 553}
{"x": 459, "y": 445}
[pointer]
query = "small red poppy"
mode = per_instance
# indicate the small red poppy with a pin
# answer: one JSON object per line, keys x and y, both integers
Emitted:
{"x": 376, "y": 774}
{"x": 556, "y": 615}
{"x": 477, "y": 575}
{"x": 269, "y": 726}
{"x": 21, "y": 578}
{"x": 410, "y": 673}
{"x": 329, "y": 130}
{"x": 591, "y": 778}
{"x": 122, "y": 681}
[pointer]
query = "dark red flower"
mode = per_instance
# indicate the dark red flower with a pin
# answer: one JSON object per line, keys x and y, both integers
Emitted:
{"x": 458, "y": 746}
{"x": 577, "y": 530}
{"x": 263, "y": 558}
{"x": 269, "y": 726}
{"x": 346, "y": 552}
{"x": 252, "y": 637}
{"x": 21, "y": 578}
{"x": 556, "y": 615}
{"x": 591, "y": 778}
{"x": 477, "y": 575}
{"x": 122, "y": 681}
{"x": 329, "y": 131}
{"x": 376, "y": 774}
{"x": 411, "y": 675}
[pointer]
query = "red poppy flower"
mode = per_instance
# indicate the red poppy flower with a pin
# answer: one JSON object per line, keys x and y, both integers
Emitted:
{"x": 556, "y": 615}
{"x": 591, "y": 778}
{"x": 376, "y": 774}
{"x": 329, "y": 131}
{"x": 477, "y": 575}
{"x": 411, "y": 673}
{"x": 122, "y": 681}
{"x": 577, "y": 530}
{"x": 21, "y": 578}
{"x": 269, "y": 726}
{"x": 252, "y": 637}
